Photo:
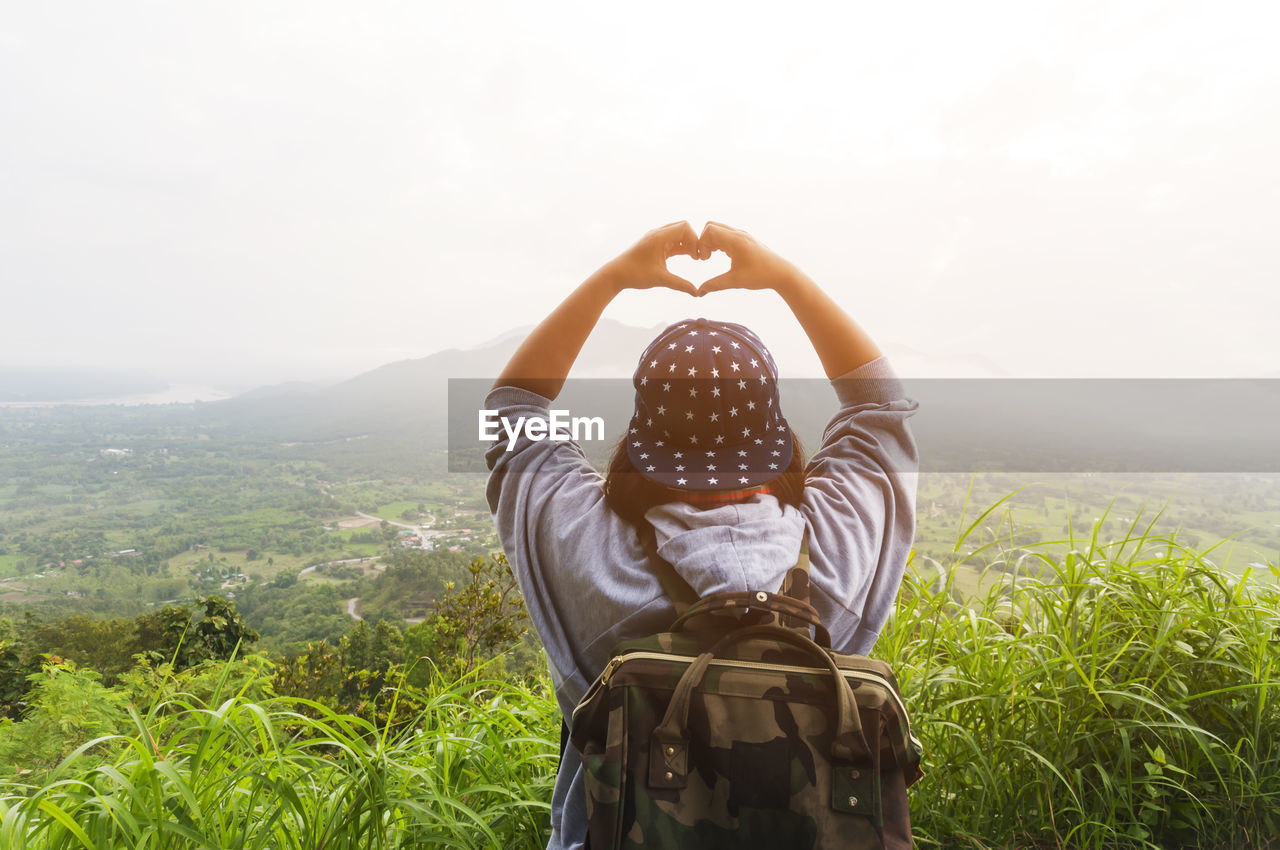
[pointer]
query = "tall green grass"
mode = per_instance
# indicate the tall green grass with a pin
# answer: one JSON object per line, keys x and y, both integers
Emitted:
{"x": 473, "y": 770}
{"x": 1122, "y": 694}
{"x": 1100, "y": 694}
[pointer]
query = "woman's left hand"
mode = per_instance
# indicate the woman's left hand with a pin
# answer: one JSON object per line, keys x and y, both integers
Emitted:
{"x": 644, "y": 264}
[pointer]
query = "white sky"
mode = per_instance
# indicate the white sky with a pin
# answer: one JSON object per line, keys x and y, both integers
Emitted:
{"x": 248, "y": 192}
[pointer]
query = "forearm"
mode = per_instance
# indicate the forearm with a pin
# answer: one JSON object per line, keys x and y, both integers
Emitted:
{"x": 543, "y": 360}
{"x": 841, "y": 344}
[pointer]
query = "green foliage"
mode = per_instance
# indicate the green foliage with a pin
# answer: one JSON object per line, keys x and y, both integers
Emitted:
{"x": 314, "y": 675}
{"x": 15, "y": 672}
{"x": 473, "y": 770}
{"x": 112, "y": 647}
{"x": 1121, "y": 696}
{"x": 413, "y": 583}
{"x": 190, "y": 489}
{"x": 67, "y": 707}
{"x": 359, "y": 678}
{"x": 106, "y": 646}
{"x": 483, "y": 618}
{"x": 285, "y": 578}
{"x": 289, "y": 618}
{"x": 1110, "y": 692}
{"x": 248, "y": 676}
{"x": 377, "y": 649}
{"x": 371, "y": 667}
{"x": 175, "y": 635}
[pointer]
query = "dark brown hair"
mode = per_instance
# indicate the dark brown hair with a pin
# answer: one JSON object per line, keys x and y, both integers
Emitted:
{"x": 629, "y": 494}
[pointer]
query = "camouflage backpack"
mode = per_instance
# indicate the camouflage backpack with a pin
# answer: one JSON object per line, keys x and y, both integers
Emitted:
{"x": 726, "y": 731}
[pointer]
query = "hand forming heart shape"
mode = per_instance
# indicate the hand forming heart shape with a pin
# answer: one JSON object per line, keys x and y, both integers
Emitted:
{"x": 649, "y": 262}
{"x": 699, "y": 271}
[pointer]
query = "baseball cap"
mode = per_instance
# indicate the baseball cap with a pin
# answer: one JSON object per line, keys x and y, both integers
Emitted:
{"x": 707, "y": 414}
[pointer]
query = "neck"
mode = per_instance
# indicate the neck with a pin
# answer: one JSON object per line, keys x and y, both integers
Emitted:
{"x": 721, "y": 497}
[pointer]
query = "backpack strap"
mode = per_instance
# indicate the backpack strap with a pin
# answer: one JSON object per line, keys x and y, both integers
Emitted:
{"x": 681, "y": 594}
{"x": 795, "y": 585}
{"x": 677, "y": 589}
{"x": 796, "y": 582}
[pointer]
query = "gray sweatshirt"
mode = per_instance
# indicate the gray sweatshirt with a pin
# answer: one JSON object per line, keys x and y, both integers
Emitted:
{"x": 588, "y": 585}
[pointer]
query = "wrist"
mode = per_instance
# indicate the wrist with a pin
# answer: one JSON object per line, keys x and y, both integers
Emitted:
{"x": 606, "y": 280}
{"x": 789, "y": 281}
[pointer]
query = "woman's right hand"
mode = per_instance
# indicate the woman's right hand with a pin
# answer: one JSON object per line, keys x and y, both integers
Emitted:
{"x": 644, "y": 264}
{"x": 753, "y": 264}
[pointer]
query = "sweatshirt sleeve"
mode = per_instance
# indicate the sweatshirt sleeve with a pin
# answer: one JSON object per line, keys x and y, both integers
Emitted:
{"x": 579, "y": 565}
{"x": 859, "y": 502}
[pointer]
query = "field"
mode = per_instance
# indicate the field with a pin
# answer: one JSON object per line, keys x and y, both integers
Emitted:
{"x": 1123, "y": 700}
{"x": 8, "y": 565}
{"x": 394, "y": 510}
{"x": 197, "y": 513}
{"x": 1235, "y": 521}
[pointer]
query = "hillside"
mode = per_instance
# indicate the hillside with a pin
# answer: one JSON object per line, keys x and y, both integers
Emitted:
{"x": 407, "y": 399}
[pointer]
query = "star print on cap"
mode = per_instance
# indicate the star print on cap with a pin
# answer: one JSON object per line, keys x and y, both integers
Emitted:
{"x": 707, "y": 414}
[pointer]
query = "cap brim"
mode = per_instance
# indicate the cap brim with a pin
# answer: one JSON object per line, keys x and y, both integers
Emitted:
{"x": 749, "y": 462}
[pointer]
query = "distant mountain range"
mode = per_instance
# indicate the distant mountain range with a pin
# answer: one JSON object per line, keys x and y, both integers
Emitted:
{"x": 432, "y": 399}
{"x": 409, "y": 398}
{"x": 431, "y": 403}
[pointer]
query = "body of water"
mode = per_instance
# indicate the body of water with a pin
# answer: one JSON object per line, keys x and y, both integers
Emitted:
{"x": 173, "y": 394}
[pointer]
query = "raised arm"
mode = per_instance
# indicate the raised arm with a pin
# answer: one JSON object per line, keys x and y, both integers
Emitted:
{"x": 858, "y": 503}
{"x": 841, "y": 344}
{"x": 543, "y": 360}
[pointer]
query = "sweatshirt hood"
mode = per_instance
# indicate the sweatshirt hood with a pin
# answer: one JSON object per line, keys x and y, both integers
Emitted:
{"x": 747, "y": 545}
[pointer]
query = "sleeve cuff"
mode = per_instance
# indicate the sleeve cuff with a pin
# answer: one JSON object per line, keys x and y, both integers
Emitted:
{"x": 500, "y": 397}
{"x": 871, "y": 383}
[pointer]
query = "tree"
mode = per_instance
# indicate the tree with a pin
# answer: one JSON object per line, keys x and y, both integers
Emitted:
{"x": 486, "y": 616}
{"x": 286, "y": 578}
{"x": 15, "y": 670}
{"x": 389, "y": 532}
{"x": 172, "y": 634}
{"x": 315, "y": 674}
{"x": 359, "y": 678}
{"x": 221, "y": 632}
{"x": 387, "y": 646}
{"x": 103, "y": 645}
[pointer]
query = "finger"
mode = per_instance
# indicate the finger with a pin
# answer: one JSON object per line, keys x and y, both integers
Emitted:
{"x": 678, "y": 237}
{"x": 672, "y": 281}
{"x": 724, "y": 226}
{"x": 685, "y": 241}
{"x": 727, "y": 227}
{"x": 716, "y": 237}
{"x": 728, "y": 280}
{"x": 666, "y": 227}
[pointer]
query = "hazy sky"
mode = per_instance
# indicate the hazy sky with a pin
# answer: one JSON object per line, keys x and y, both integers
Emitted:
{"x": 250, "y": 192}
